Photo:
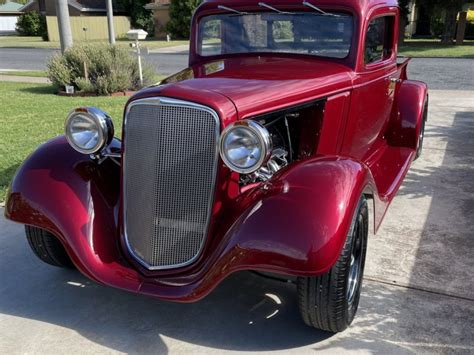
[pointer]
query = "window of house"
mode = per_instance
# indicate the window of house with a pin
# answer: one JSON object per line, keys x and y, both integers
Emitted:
{"x": 379, "y": 39}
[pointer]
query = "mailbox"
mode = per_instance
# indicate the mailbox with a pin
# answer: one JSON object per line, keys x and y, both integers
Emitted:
{"x": 136, "y": 35}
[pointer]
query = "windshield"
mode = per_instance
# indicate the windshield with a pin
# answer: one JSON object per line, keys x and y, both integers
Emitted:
{"x": 271, "y": 32}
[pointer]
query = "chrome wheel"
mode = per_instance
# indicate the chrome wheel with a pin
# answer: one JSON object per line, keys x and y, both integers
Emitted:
{"x": 421, "y": 136}
{"x": 329, "y": 301}
{"x": 355, "y": 266}
{"x": 420, "y": 139}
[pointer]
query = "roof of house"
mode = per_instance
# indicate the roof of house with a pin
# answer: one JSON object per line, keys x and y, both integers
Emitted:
{"x": 84, "y": 5}
{"x": 11, "y": 7}
{"x": 27, "y": 5}
{"x": 88, "y": 5}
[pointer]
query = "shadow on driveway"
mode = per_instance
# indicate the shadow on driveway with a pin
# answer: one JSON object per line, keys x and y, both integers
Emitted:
{"x": 243, "y": 313}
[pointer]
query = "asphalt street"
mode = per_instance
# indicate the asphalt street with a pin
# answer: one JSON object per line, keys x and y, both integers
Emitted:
{"x": 440, "y": 74}
{"x": 417, "y": 295}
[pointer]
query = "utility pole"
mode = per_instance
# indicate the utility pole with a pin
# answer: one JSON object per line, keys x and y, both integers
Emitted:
{"x": 110, "y": 21}
{"x": 64, "y": 25}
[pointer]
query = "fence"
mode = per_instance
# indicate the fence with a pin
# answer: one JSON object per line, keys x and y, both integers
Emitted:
{"x": 86, "y": 28}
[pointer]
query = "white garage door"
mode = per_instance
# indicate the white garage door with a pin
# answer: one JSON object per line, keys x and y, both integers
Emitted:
{"x": 7, "y": 23}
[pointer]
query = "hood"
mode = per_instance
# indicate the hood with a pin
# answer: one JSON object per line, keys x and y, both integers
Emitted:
{"x": 261, "y": 84}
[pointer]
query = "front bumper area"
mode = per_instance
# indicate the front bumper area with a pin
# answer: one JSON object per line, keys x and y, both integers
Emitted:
{"x": 296, "y": 225}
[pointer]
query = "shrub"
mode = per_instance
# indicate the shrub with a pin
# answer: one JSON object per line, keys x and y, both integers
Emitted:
{"x": 109, "y": 69}
{"x": 84, "y": 85}
{"x": 58, "y": 71}
{"x": 181, "y": 12}
{"x": 32, "y": 24}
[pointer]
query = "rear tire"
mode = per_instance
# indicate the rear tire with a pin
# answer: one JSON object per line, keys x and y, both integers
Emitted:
{"x": 421, "y": 138}
{"x": 329, "y": 302}
{"x": 47, "y": 247}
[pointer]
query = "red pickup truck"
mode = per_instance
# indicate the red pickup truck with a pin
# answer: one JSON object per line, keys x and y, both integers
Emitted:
{"x": 262, "y": 155}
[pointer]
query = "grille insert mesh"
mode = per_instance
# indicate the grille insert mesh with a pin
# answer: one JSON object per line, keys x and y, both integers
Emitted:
{"x": 169, "y": 170}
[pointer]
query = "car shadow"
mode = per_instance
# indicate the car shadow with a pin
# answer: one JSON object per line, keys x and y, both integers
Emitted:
{"x": 458, "y": 140}
{"x": 246, "y": 312}
{"x": 443, "y": 259}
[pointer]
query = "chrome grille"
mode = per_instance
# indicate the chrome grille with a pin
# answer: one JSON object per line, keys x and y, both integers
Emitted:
{"x": 170, "y": 163}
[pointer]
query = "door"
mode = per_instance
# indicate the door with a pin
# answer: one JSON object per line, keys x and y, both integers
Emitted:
{"x": 374, "y": 90}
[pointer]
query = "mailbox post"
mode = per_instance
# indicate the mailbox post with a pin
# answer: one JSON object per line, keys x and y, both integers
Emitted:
{"x": 137, "y": 35}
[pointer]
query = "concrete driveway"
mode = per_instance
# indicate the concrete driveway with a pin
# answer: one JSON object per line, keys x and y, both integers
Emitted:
{"x": 417, "y": 296}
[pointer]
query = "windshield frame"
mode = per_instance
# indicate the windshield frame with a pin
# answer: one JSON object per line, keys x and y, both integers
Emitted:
{"x": 349, "y": 60}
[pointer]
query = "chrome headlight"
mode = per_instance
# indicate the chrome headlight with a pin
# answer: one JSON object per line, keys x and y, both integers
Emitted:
{"x": 245, "y": 146}
{"x": 88, "y": 129}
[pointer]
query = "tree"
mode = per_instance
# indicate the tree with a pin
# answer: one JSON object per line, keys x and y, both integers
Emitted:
{"x": 181, "y": 12}
{"x": 451, "y": 8}
{"x": 32, "y": 24}
{"x": 140, "y": 18}
{"x": 404, "y": 12}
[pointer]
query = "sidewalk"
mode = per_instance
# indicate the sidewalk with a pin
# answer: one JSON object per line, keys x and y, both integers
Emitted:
{"x": 24, "y": 79}
{"x": 418, "y": 292}
{"x": 181, "y": 49}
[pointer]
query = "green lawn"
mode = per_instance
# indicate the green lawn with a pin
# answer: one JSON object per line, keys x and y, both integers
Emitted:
{"x": 31, "y": 114}
{"x": 25, "y": 41}
{"x": 37, "y": 42}
{"x": 432, "y": 48}
{"x": 33, "y": 73}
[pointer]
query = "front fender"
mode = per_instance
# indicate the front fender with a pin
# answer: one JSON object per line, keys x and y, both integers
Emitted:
{"x": 301, "y": 221}
{"x": 65, "y": 193}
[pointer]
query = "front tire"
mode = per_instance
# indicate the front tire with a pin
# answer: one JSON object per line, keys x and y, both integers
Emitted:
{"x": 329, "y": 302}
{"x": 47, "y": 247}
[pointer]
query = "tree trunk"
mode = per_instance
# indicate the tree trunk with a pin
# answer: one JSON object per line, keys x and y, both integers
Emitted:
{"x": 461, "y": 30}
{"x": 401, "y": 31}
{"x": 449, "y": 25}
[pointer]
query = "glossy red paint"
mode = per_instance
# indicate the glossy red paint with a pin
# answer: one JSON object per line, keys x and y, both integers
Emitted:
{"x": 265, "y": 84}
{"x": 77, "y": 200}
{"x": 405, "y": 124}
{"x": 294, "y": 224}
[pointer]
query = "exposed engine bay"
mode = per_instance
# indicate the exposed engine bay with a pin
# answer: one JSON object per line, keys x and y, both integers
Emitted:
{"x": 294, "y": 133}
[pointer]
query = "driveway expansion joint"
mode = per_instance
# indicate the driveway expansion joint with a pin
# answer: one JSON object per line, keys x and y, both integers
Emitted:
{"x": 417, "y": 288}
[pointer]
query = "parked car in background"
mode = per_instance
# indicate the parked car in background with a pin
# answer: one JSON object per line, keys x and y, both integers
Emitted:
{"x": 262, "y": 155}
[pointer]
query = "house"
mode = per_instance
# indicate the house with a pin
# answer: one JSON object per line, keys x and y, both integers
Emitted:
{"x": 161, "y": 14}
{"x": 9, "y": 13}
{"x": 76, "y": 7}
{"x": 88, "y": 18}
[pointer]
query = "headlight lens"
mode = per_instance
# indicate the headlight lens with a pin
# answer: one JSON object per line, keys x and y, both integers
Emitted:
{"x": 88, "y": 129}
{"x": 245, "y": 146}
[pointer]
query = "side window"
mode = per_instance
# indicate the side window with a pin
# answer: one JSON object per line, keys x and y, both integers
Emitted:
{"x": 379, "y": 39}
{"x": 211, "y": 43}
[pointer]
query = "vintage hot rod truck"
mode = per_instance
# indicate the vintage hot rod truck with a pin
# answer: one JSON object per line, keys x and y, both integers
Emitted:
{"x": 262, "y": 156}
